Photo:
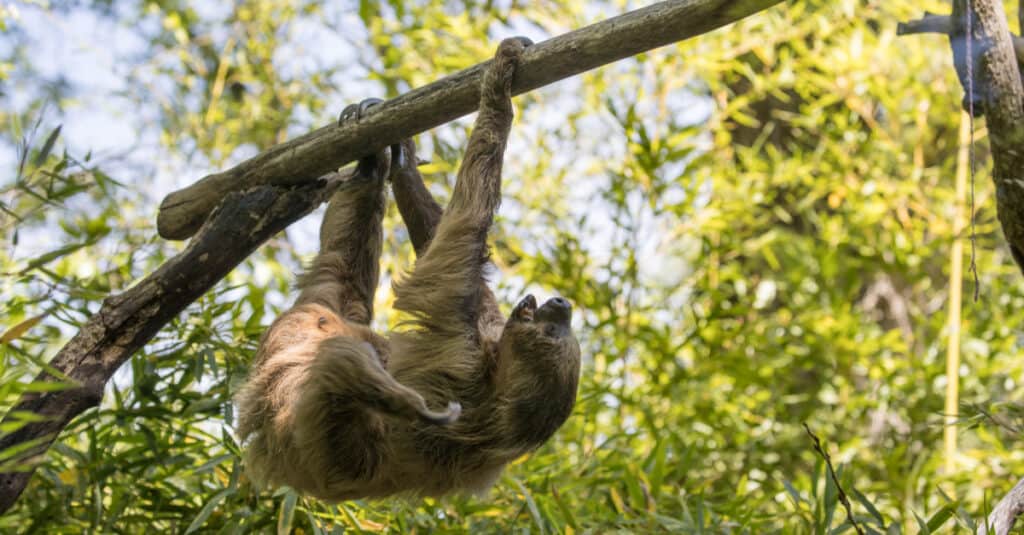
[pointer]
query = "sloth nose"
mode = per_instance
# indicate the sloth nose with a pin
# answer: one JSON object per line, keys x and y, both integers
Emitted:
{"x": 556, "y": 310}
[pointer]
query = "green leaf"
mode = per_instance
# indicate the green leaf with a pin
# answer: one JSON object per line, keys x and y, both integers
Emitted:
{"x": 286, "y": 514}
{"x": 869, "y": 506}
{"x": 940, "y": 517}
{"x": 207, "y": 510}
{"x": 47, "y": 146}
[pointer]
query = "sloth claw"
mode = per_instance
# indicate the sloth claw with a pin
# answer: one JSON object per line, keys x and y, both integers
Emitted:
{"x": 525, "y": 309}
{"x": 445, "y": 417}
{"x": 355, "y": 112}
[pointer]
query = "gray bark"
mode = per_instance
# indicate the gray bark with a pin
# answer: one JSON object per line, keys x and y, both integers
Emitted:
{"x": 999, "y": 94}
{"x": 997, "y": 80}
{"x": 1004, "y": 515}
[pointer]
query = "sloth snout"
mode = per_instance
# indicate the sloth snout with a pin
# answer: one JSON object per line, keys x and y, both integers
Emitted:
{"x": 555, "y": 310}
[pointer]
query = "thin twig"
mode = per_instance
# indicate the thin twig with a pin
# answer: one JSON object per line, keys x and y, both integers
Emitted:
{"x": 835, "y": 479}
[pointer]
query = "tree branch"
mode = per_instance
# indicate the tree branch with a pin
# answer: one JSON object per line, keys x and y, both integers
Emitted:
{"x": 943, "y": 24}
{"x": 1004, "y": 112}
{"x": 128, "y": 320}
{"x": 998, "y": 93}
{"x": 929, "y": 23}
{"x": 330, "y": 147}
{"x": 1004, "y": 515}
{"x": 999, "y": 90}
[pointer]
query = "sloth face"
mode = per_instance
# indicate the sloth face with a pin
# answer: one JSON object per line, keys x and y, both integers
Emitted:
{"x": 543, "y": 334}
{"x": 540, "y": 359}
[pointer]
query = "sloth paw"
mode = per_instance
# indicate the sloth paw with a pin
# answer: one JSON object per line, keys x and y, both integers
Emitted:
{"x": 373, "y": 168}
{"x": 506, "y": 59}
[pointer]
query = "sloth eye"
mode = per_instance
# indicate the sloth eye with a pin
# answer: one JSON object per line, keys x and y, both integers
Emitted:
{"x": 321, "y": 322}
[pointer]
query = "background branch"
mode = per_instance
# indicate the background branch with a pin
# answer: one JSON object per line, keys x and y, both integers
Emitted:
{"x": 330, "y": 147}
{"x": 1004, "y": 515}
{"x": 999, "y": 91}
{"x": 998, "y": 94}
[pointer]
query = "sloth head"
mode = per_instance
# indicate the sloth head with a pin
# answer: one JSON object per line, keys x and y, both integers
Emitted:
{"x": 542, "y": 333}
{"x": 541, "y": 360}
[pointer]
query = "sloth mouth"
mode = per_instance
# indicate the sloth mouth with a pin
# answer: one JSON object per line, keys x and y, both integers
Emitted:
{"x": 525, "y": 309}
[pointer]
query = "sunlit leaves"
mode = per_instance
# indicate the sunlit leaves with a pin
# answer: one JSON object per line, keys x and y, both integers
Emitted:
{"x": 753, "y": 227}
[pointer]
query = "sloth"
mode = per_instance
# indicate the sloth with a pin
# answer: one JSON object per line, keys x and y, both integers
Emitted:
{"x": 456, "y": 392}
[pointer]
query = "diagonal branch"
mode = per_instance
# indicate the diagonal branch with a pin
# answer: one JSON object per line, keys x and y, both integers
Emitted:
{"x": 128, "y": 320}
{"x": 330, "y": 147}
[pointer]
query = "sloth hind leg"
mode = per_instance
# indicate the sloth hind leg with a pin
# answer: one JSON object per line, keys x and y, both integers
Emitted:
{"x": 346, "y": 377}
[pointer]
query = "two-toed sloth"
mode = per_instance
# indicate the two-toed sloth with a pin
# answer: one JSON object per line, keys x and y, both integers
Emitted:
{"x": 445, "y": 402}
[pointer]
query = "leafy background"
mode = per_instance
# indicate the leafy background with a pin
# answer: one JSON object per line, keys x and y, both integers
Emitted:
{"x": 755, "y": 226}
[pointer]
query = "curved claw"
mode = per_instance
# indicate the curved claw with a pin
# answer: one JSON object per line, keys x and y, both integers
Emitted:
{"x": 525, "y": 41}
{"x": 514, "y": 46}
{"x": 444, "y": 417}
{"x": 356, "y": 112}
{"x": 403, "y": 156}
{"x": 525, "y": 309}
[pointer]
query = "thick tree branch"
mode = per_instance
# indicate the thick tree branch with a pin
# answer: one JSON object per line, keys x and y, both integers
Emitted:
{"x": 1004, "y": 112}
{"x": 128, "y": 320}
{"x": 998, "y": 94}
{"x": 330, "y": 147}
{"x": 998, "y": 90}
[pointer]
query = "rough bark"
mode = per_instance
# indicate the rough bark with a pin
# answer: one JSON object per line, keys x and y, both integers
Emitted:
{"x": 126, "y": 321}
{"x": 997, "y": 85}
{"x": 998, "y": 93}
{"x": 330, "y": 147}
{"x": 1004, "y": 113}
{"x": 1005, "y": 513}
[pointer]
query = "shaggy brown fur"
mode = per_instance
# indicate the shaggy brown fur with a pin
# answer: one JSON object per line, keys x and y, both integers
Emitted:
{"x": 338, "y": 412}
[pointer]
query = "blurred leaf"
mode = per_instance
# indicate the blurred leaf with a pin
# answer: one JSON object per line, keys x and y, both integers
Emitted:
{"x": 47, "y": 146}
{"x": 19, "y": 329}
{"x": 207, "y": 510}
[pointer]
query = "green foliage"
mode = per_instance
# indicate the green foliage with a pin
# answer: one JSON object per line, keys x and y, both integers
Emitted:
{"x": 755, "y": 227}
